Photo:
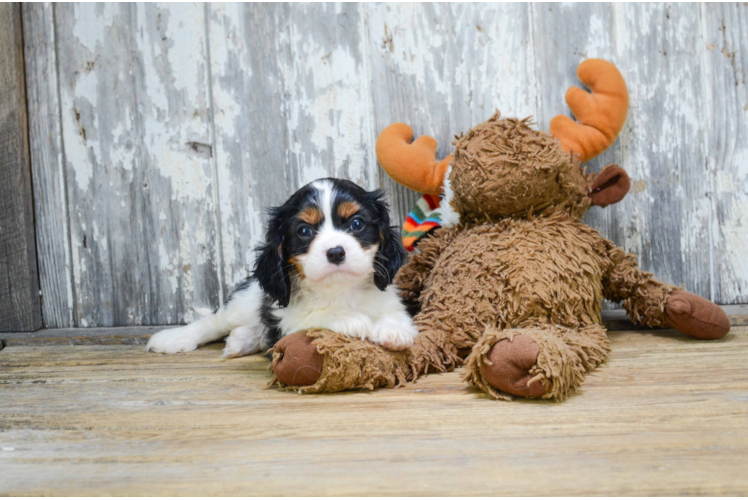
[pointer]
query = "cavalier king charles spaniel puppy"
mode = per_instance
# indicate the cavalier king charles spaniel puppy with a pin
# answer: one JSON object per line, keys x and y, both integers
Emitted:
{"x": 328, "y": 262}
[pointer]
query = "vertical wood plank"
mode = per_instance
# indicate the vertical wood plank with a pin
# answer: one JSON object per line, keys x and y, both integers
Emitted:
{"x": 136, "y": 129}
{"x": 329, "y": 108}
{"x": 665, "y": 217}
{"x": 96, "y": 93}
{"x": 408, "y": 49}
{"x": 45, "y": 141}
{"x": 19, "y": 281}
{"x": 246, "y": 44}
{"x": 443, "y": 68}
{"x": 664, "y": 146}
{"x": 726, "y": 95}
{"x": 493, "y": 63}
{"x": 290, "y": 98}
{"x": 172, "y": 87}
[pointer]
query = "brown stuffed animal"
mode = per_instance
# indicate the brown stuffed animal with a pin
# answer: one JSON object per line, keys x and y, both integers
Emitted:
{"x": 515, "y": 283}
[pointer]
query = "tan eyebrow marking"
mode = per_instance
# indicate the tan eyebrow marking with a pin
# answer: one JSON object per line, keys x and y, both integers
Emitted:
{"x": 311, "y": 215}
{"x": 348, "y": 209}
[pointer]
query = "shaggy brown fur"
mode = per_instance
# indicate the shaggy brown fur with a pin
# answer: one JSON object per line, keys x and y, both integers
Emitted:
{"x": 564, "y": 357}
{"x": 350, "y": 363}
{"x": 520, "y": 263}
{"x": 504, "y": 168}
{"x": 543, "y": 277}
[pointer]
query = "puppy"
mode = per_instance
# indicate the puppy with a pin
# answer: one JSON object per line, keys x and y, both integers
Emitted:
{"x": 328, "y": 262}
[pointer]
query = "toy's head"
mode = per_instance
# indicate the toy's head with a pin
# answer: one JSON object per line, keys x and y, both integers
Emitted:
{"x": 504, "y": 168}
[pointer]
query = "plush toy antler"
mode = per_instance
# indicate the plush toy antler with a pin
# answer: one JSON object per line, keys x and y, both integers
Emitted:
{"x": 412, "y": 165}
{"x": 601, "y": 114}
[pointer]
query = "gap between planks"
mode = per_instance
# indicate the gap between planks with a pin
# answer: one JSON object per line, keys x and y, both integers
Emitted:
{"x": 614, "y": 320}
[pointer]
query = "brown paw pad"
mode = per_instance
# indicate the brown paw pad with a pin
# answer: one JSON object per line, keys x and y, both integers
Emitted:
{"x": 696, "y": 316}
{"x": 510, "y": 366}
{"x": 299, "y": 363}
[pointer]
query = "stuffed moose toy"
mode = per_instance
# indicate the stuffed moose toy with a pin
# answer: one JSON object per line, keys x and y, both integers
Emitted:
{"x": 510, "y": 285}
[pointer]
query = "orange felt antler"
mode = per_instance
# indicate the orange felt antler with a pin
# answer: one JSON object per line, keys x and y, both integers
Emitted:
{"x": 601, "y": 114}
{"x": 414, "y": 164}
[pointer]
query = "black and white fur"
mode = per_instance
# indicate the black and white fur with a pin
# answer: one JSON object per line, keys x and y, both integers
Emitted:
{"x": 325, "y": 271}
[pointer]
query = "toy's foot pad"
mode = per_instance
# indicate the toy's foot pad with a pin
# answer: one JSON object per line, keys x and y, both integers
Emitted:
{"x": 696, "y": 316}
{"x": 299, "y": 363}
{"x": 510, "y": 366}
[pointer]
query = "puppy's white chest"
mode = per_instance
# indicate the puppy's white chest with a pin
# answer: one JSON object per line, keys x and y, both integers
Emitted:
{"x": 345, "y": 313}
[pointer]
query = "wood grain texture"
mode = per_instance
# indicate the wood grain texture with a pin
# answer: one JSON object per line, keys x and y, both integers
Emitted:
{"x": 198, "y": 117}
{"x": 45, "y": 137}
{"x": 665, "y": 146}
{"x": 408, "y": 49}
{"x": 138, "y": 146}
{"x": 443, "y": 68}
{"x": 664, "y": 416}
{"x": 290, "y": 98}
{"x": 614, "y": 321}
{"x": 664, "y": 220}
{"x": 248, "y": 89}
{"x": 19, "y": 280}
{"x": 725, "y": 28}
{"x": 113, "y": 335}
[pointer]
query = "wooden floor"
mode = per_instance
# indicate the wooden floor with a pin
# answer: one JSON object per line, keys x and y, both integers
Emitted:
{"x": 665, "y": 415}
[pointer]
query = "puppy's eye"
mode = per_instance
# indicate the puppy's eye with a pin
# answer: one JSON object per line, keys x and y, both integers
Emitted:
{"x": 357, "y": 224}
{"x": 305, "y": 232}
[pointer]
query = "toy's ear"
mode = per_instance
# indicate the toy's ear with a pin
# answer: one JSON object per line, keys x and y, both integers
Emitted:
{"x": 609, "y": 186}
{"x": 413, "y": 164}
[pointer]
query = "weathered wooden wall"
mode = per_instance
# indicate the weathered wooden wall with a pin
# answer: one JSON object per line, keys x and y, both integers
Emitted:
{"x": 19, "y": 282}
{"x": 159, "y": 132}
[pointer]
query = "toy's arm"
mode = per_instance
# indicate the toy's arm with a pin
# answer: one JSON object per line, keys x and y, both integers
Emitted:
{"x": 411, "y": 277}
{"x": 653, "y": 303}
{"x": 643, "y": 297}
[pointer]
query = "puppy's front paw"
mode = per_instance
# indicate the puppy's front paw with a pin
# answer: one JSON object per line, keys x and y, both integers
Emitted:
{"x": 243, "y": 341}
{"x": 172, "y": 341}
{"x": 393, "y": 336}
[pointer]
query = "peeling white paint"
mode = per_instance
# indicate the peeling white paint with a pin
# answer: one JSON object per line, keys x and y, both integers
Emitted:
{"x": 326, "y": 108}
{"x": 136, "y": 89}
{"x": 241, "y": 224}
{"x": 415, "y": 45}
{"x": 91, "y": 26}
{"x": 168, "y": 266}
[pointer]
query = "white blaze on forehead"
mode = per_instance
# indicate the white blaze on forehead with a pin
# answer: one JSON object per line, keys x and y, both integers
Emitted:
{"x": 326, "y": 192}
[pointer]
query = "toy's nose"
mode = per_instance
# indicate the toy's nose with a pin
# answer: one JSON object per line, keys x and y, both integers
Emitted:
{"x": 336, "y": 255}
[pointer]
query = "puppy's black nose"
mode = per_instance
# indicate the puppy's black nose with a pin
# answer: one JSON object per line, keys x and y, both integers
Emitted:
{"x": 336, "y": 255}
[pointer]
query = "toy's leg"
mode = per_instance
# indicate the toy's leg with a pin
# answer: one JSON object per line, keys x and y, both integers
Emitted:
{"x": 544, "y": 361}
{"x": 316, "y": 361}
{"x": 653, "y": 303}
{"x": 323, "y": 361}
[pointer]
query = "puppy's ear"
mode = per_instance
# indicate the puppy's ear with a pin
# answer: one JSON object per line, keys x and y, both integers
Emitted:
{"x": 391, "y": 254}
{"x": 271, "y": 269}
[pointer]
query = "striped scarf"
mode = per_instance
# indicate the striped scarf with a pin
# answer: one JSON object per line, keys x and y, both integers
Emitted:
{"x": 423, "y": 218}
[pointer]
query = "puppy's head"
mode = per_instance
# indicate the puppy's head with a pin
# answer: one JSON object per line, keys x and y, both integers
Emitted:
{"x": 330, "y": 234}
